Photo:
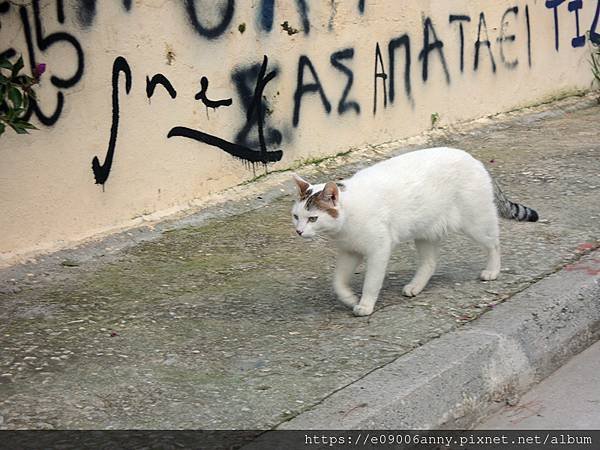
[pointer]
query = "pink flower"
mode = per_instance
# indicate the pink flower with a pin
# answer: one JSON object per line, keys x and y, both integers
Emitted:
{"x": 39, "y": 70}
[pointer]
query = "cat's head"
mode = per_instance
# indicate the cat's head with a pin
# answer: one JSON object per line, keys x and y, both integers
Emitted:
{"x": 317, "y": 210}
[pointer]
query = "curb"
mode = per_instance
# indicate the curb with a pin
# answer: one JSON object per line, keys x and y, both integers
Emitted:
{"x": 454, "y": 381}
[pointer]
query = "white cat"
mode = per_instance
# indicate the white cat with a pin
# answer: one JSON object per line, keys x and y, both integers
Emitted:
{"x": 421, "y": 196}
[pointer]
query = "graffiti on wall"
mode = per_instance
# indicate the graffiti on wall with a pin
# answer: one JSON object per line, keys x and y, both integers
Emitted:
{"x": 36, "y": 43}
{"x": 255, "y": 113}
{"x": 398, "y": 64}
{"x": 102, "y": 171}
{"x": 574, "y": 7}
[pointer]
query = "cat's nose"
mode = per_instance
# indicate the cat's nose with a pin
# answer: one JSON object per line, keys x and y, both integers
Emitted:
{"x": 299, "y": 232}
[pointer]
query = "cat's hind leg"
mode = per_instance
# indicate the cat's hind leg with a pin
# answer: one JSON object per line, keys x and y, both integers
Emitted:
{"x": 486, "y": 234}
{"x": 428, "y": 252}
{"x": 347, "y": 263}
{"x": 492, "y": 268}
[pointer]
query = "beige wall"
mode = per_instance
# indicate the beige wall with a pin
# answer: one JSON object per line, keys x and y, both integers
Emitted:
{"x": 48, "y": 195}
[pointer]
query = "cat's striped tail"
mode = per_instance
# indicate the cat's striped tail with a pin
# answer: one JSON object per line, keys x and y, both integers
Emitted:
{"x": 511, "y": 210}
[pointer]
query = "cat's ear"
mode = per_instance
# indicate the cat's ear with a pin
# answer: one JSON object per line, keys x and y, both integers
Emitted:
{"x": 303, "y": 185}
{"x": 330, "y": 193}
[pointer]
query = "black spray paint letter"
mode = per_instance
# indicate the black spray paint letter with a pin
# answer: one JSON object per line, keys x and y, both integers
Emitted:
{"x": 302, "y": 88}
{"x": 579, "y": 40}
{"x": 44, "y": 43}
{"x": 246, "y": 80}
{"x": 256, "y": 108}
{"x": 335, "y": 59}
{"x": 207, "y": 102}
{"x": 594, "y": 35}
{"x": 554, "y": 4}
{"x": 460, "y": 19}
{"x": 507, "y": 38}
{"x": 479, "y": 43}
{"x": 101, "y": 172}
{"x": 528, "y": 22}
{"x": 86, "y": 11}
{"x": 266, "y": 13}
{"x": 10, "y": 52}
{"x": 217, "y": 30}
{"x": 157, "y": 79}
{"x": 402, "y": 41}
{"x": 428, "y": 47}
{"x": 382, "y": 75}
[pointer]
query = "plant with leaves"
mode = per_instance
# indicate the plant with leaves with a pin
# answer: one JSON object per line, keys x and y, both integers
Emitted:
{"x": 16, "y": 94}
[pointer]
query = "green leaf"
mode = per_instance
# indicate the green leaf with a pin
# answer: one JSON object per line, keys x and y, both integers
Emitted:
{"x": 15, "y": 97}
{"x": 18, "y": 66}
{"x": 23, "y": 124}
{"x": 18, "y": 128}
{"x": 5, "y": 64}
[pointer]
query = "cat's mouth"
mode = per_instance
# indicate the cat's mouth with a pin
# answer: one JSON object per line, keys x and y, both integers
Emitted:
{"x": 305, "y": 234}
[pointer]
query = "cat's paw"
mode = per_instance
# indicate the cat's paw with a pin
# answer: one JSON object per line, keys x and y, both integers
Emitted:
{"x": 350, "y": 301}
{"x": 488, "y": 275}
{"x": 362, "y": 310}
{"x": 410, "y": 290}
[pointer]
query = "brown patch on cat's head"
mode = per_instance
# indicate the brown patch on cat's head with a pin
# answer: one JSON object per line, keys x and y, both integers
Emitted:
{"x": 325, "y": 200}
{"x": 306, "y": 194}
{"x": 304, "y": 189}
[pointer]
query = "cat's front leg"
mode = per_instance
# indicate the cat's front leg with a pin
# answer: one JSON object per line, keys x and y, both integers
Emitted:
{"x": 376, "y": 268}
{"x": 347, "y": 262}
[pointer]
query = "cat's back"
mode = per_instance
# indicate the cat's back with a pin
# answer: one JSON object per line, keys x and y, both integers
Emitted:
{"x": 420, "y": 193}
{"x": 420, "y": 165}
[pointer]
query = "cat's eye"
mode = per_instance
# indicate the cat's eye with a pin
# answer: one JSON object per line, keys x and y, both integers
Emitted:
{"x": 313, "y": 219}
{"x": 295, "y": 217}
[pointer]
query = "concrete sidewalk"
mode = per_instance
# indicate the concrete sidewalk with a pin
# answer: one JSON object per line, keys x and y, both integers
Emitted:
{"x": 568, "y": 399}
{"x": 231, "y": 323}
